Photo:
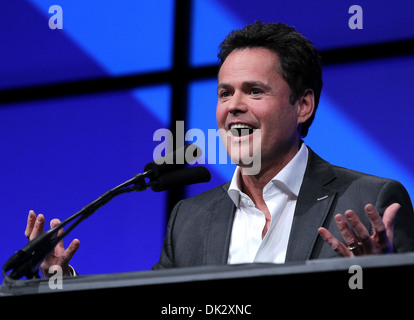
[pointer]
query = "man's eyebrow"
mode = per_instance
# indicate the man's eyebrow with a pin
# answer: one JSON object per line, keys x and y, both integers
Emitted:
{"x": 248, "y": 84}
{"x": 223, "y": 86}
{"x": 251, "y": 84}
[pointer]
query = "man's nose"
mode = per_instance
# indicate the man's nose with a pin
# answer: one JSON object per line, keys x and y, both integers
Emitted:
{"x": 237, "y": 104}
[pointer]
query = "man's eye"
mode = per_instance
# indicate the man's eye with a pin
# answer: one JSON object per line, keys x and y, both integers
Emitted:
{"x": 224, "y": 94}
{"x": 256, "y": 91}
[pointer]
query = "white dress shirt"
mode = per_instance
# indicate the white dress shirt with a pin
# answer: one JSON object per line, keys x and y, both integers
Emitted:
{"x": 280, "y": 195}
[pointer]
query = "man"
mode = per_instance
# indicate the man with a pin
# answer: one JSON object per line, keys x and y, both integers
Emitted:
{"x": 269, "y": 84}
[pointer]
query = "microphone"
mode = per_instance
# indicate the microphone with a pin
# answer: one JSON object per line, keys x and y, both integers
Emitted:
{"x": 27, "y": 260}
{"x": 181, "y": 177}
{"x": 173, "y": 161}
{"x": 164, "y": 173}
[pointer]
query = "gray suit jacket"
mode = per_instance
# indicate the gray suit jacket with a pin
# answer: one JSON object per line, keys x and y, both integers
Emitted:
{"x": 199, "y": 228}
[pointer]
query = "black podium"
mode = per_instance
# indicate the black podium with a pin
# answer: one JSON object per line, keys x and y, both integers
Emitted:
{"x": 249, "y": 291}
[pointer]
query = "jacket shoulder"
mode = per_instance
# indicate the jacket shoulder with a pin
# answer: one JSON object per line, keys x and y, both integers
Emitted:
{"x": 319, "y": 166}
{"x": 354, "y": 187}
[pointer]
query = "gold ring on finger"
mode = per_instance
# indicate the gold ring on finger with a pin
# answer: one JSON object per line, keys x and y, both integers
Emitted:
{"x": 353, "y": 248}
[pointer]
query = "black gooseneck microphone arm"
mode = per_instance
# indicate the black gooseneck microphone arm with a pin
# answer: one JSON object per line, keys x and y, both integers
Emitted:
{"x": 26, "y": 261}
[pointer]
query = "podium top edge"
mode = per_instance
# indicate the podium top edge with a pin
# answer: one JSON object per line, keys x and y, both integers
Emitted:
{"x": 206, "y": 273}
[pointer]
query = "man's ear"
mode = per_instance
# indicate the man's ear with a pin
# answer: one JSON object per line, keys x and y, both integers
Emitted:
{"x": 305, "y": 106}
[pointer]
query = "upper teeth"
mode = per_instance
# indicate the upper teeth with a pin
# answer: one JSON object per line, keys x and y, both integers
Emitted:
{"x": 240, "y": 126}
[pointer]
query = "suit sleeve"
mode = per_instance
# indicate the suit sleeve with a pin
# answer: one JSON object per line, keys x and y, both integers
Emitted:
{"x": 167, "y": 254}
{"x": 392, "y": 192}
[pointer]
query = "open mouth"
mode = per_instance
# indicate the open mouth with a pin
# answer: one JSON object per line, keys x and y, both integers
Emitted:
{"x": 240, "y": 130}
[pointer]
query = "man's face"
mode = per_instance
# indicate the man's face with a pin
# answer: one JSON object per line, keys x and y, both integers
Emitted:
{"x": 252, "y": 94}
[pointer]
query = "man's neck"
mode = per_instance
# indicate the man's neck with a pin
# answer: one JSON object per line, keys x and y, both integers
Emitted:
{"x": 253, "y": 185}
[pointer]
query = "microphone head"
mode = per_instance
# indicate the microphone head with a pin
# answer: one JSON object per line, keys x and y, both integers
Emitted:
{"x": 181, "y": 177}
{"x": 174, "y": 160}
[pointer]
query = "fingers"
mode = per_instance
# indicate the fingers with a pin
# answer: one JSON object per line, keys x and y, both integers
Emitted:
{"x": 59, "y": 256}
{"x": 54, "y": 223}
{"x": 390, "y": 214}
{"x": 388, "y": 220}
{"x": 361, "y": 234}
{"x": 336, "y": 245}
{"x": 34, "y": 225}
{"x": 70, "y": 251}
{"x": 383, "y": 228}
{"x": 356, "y": 235}
{"x": 30, "y": 224}
{"x": 347, "y": 234}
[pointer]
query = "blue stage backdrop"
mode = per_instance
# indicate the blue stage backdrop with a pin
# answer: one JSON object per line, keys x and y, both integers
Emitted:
{"x": 58, "y": 154}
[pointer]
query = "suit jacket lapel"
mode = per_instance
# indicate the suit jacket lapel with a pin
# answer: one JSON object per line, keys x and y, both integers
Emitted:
{"x": 314, "y": 202}
{"x": 219, "y": 230}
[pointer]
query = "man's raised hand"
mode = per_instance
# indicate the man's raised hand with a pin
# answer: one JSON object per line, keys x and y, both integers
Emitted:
{"x": 59, "y": 256}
